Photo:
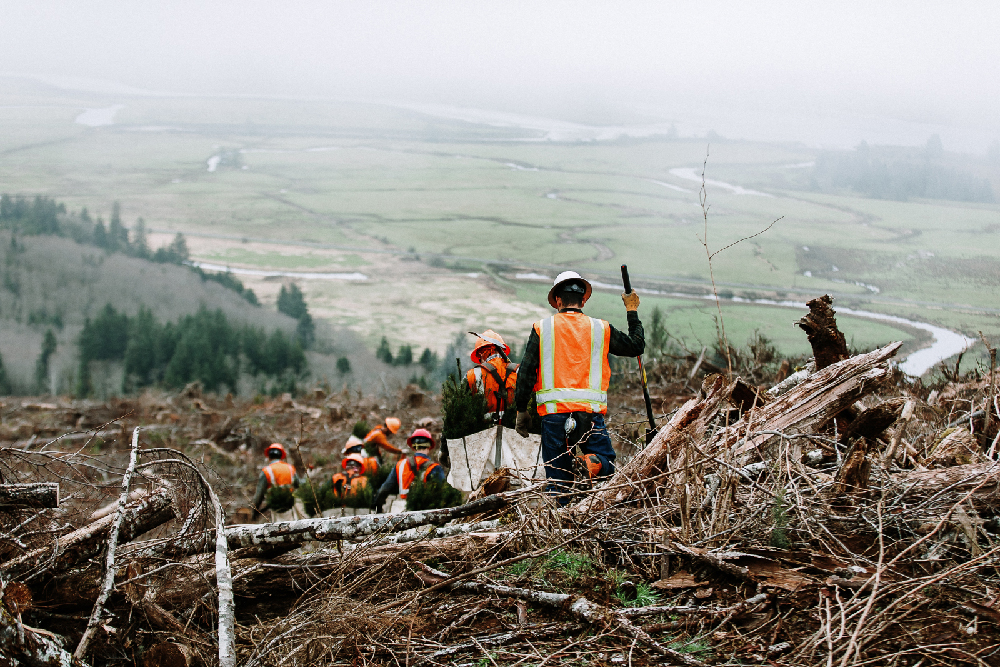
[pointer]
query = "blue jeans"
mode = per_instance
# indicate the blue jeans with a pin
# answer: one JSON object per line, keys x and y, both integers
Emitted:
{"x": 558, "y": 459}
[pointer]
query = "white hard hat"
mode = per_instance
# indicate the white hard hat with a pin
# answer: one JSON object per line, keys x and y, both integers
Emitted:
{"x": 353, "y": 441}
{"x": 567, "y": 276}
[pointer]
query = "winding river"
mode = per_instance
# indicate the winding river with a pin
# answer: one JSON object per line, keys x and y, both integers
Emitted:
{"x": 945, "y": 343}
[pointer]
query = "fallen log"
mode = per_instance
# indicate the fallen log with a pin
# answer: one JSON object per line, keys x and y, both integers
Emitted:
{"x": 291, "y": 574}
{"x": 292, "y": 533}
{"x": 26, "y": 496}
{"x": 809, "y": 405}
{"x": 984, "y": 478}
{"x": 23, "y": 646}
{"x": 86, "y": 542}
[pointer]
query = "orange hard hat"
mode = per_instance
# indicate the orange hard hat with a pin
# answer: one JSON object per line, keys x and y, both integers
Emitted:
{"x": 393, "y": 424}
{"x": 420, "y": 433}
{"x": 357, "y": 458}
{"x": 278, "y": 446}
{"x": 485, "y": 339}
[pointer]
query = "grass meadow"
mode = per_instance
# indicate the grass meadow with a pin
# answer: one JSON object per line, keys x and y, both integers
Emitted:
{"x": 358, "y": 181}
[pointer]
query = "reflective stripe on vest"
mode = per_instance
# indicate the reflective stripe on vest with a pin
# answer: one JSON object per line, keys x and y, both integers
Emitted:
{"x": 475, "y": 379}
{"x": 573, "y": 371}
{"x": 405, "y": 476}
{"x": 481, "y": 381}
{"x": 279, "y": 473}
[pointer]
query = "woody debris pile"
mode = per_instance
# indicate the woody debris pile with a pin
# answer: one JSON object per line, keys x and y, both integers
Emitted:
{"x": 846, "y": 515}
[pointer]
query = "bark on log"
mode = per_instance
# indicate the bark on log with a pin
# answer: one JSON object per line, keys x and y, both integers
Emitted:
{"x": 828, "y": 343}
{"x": 810, "y": 404}
{"x": 290, "y": 574}
{"x": 22, "y": 496}
{"x": 86, "y": 542}
{"x": 110, "y": 565}
{"x": 29, "y": 648}
{"x": 690, "y": 421}
{"x": 293, "y": 533}
{"x": 956, "y": 479}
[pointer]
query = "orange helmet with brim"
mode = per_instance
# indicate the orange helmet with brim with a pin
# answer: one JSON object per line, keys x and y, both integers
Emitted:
{"x": 276, "y": 446}
{"x": 488, "y": 338}
{"x": 357, "y": 458}
{"x": 421, "y": 433}
{"x": 393, "y": 424}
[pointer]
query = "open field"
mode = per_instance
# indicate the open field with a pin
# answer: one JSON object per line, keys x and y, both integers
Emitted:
{"x": 376, "y": 180}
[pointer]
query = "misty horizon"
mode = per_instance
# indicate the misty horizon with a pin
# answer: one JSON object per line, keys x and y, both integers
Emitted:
{"x": 829, "y": 77}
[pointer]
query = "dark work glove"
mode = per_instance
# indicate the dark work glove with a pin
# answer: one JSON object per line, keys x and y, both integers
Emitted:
{"x": 522, "y": 424}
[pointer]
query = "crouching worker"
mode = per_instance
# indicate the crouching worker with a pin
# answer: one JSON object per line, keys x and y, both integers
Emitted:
{"x": 352, "y": 480}
{"x": 278, "y": 474}
{"x": 355, "y": 446}
{"x": 409, "y": 467}
{"x": 565, "y": 365}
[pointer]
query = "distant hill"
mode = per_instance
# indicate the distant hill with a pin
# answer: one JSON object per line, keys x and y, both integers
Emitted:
{"x": 48, "y": 282}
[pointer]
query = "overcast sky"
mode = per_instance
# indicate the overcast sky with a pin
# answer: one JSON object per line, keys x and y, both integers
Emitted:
{"x": 936, "y": 63}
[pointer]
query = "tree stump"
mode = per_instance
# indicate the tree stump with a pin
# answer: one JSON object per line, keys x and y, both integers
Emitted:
{"x": 828, "y": 343}
{"x": 169, "y": 654}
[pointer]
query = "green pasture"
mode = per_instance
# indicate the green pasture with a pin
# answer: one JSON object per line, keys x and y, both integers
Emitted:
{"x": 692, "y": 322}
{"x": 372, "y": 176}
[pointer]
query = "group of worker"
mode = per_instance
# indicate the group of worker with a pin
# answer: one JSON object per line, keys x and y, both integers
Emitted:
{"x": 357, "y": 466}
{"x": 565, "y": 366}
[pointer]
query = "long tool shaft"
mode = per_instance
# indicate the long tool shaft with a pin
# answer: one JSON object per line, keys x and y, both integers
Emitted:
{"x": 501, "y": 408}
{"x": 642, "y": 370}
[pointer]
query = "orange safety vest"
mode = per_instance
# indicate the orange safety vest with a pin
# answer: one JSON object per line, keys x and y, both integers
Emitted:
{"x": 573, "y": 369}
{"x": 407, "y": 469}
{"x": 377, "y": 435}
{"x": 481, "y": 380}
{"x": 344, "y": 485}
{"x": 279, "y": 473}
{"x": 370, "y": 467}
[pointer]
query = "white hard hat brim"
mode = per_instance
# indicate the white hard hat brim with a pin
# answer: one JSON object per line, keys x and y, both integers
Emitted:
{"x": 567, "y": 276}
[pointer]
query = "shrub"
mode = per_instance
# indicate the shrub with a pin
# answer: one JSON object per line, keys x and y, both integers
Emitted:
{"x": 463, "y": 409}
{"x": 361, "y": 429}
{"x": 431, "y": 495}
{"x": 280, "y": 499}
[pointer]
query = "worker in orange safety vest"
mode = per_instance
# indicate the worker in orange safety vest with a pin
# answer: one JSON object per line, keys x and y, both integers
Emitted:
{"x": 408, "y": 467}
{"x": 352, "y": 479}
{"x": 276, "y": 473}
{"x": 565, "y": 365}
{"x": 379, "y": 436}
{"x": 493, "y": 375}
{"x": 355, "y": 446}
